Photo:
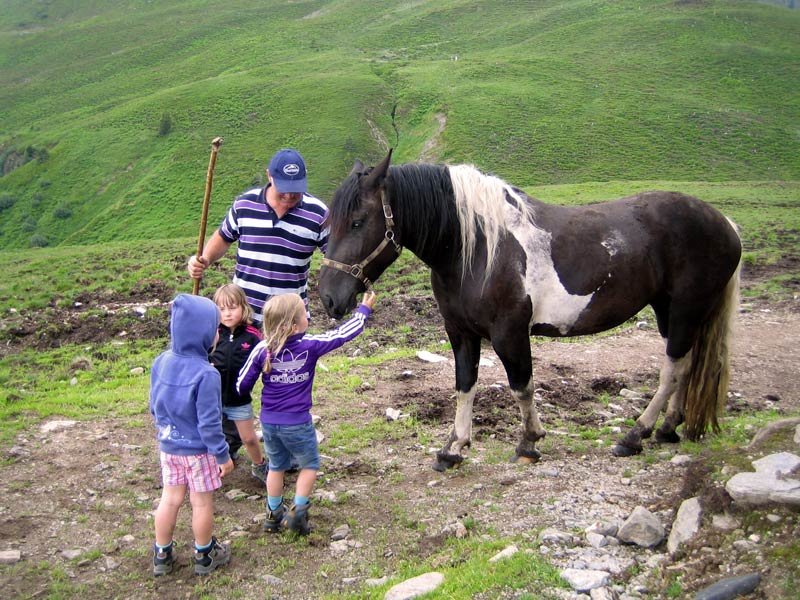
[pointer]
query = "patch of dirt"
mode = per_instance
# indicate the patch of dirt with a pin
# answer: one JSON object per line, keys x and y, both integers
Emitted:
{"x": 93, "y": 486}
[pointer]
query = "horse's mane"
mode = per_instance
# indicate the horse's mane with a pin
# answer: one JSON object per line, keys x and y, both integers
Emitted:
{"x": 457, "y": 198}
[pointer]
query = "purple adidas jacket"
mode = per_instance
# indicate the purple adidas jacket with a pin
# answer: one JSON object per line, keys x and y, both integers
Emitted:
{"x": 286, "y": 396}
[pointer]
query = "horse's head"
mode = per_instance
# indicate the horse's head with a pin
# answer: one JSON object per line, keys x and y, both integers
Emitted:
{"x": 361, "y": 243}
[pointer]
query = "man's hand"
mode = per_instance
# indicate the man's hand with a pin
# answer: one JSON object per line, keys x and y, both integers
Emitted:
{"x": 196, "y": 266}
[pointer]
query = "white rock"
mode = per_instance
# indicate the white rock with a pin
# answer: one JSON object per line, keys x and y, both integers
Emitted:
{"x": 51, "y": 426}
{"x": 724, "y": 522}
{"x": 411, "y": 588}
{"x": 426, "y": 356}
{"x": 774, "y": 481}
{"x": 641, "y": 528}
{"x": 9, "y": 557}
{"x": 686, "y": 525}
{"x": 505, "y": 553}
{"x": 137, "y": 371}
{"x": 681, "y": 459}
{"x": 583, "y": 580}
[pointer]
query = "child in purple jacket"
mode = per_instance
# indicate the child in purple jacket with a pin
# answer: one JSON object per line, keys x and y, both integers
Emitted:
{"x": 285, "y": 360}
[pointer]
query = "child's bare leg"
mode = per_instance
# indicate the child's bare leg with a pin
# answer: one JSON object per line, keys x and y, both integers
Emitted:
{"x": 275, "y": 483}
{"x": 167, "y": 512}
{"x": 202, "y": 517}
{"x": 247, "y": 433}
{"x": 305, "y": 482}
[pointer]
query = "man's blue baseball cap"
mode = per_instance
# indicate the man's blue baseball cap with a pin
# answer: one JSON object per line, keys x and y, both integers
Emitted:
{"x": 288, "y": 171}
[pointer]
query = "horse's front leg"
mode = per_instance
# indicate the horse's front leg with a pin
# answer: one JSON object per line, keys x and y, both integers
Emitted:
{"x": 514, "y": 350}
{"x": 466, "y": 350}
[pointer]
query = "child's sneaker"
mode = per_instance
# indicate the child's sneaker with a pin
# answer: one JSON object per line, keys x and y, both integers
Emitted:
{"x": 216, "y": 556}
{"x": 297, "y": 519}
{"x": 260, "y": 471}
{"x": 275, "y": 519}
{"x": 163, "y": 561}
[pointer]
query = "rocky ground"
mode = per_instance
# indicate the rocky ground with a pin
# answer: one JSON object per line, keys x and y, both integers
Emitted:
{"x": 77, "y": 498}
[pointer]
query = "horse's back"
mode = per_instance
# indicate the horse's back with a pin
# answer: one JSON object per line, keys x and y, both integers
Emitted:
{"x": 610, "y": 259}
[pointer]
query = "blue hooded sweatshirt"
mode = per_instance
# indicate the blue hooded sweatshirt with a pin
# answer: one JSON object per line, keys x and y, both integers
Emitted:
{"x": 185, "y": 396}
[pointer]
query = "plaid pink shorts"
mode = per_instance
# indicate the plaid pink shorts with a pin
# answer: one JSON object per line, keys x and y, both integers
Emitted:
{"x": 200, "y": 472}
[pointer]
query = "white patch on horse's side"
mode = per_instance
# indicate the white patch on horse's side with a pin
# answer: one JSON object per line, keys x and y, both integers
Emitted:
{"x": 614, "y": 243}
{"x": 552, "y": 304}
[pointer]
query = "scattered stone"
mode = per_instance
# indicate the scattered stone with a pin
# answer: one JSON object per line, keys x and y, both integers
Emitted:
{"x": 407, "y": 375}
{"x": 414, "y": 587}
{"x": 9, "y": 557}
{"x": 773, "y": 518}
{"x": 681, "y": 459}
{"x": 111, "y": 564}
{"x": 730, "y": 587}
{"x": 376, "y": 581}
{"x": 392, "y": 414}
{"x": 641, "y": 528}
{"x": 775, "y": 480}
{"x": 772, "y": 429}
{"x": 485, "y": 362}
{"x": 603, "y": 593}
{"x": 686, "y": 525}
{"x": 724, "y": 522}
{"x": 137, "y": 371}
{"x": 630, "y": 394}
{"x": 426, "y": 356}
{"x": 238, "y": 534}
{"x": 73, "y": 381}
{"x": 504, "y": 553}
{"x": 71, "y": 554}
{"x": 605, "y": 529}
{"x": 341, "y": 532}
{"x": 235, "y": 494}
{"x": 272, "y": 580}
{"x": 554, "y": 536}
{"x": 52, "y": 426}
{"x": 457, "y": 530}
{"x": 583, "y": 580}
{"x": 596, "y": 540}
{"x": 797, "y": 435}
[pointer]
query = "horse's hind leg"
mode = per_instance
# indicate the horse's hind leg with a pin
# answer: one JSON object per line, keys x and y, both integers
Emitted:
{"x": 666, "y": 434}
{"x": 466, "y": 350}
{"x": 671, "y": 380}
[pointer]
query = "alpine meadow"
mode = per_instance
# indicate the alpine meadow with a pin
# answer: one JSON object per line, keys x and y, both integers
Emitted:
{"x": 107, "y": 113}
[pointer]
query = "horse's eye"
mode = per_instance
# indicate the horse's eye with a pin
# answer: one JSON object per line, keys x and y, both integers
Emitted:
{"x": 357, "y": 224}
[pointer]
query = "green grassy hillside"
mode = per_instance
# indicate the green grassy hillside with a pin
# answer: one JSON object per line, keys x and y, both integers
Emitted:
{"x": 107, "y": 110}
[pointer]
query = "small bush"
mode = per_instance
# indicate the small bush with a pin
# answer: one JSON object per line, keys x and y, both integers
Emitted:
{"x": 39, "y": 241}
{"x": 6, "y": 201}
{"x": 62, "y": 212}
{"x": 166, "y": 124}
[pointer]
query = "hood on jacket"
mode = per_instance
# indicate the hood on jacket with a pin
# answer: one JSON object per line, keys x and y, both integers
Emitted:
{"x": 193, "y": 325}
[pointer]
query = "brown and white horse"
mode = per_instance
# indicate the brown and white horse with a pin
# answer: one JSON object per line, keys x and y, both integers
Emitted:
{"x": 505, "y": 266}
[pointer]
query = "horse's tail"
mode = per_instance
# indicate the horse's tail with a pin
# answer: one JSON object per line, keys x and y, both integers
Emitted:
{"x": 710, "y": 370}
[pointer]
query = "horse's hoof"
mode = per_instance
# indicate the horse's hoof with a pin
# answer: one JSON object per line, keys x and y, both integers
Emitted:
{"x": 447, "y": 461}
{"x": 527, "y": 458}
{"x": 620, "y": 450}
{"x": 667, "y": 437}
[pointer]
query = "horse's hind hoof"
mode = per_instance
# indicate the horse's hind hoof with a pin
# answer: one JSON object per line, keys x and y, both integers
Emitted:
{"x": 447, "y": 461}
{"x": 620, "y": 450}
{"x": 667, "y": 437}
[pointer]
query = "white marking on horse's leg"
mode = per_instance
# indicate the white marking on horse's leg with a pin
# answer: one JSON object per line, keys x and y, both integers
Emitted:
{"x": 462, "y": 428}
{"x": 527, "y": 408}
{"x": 673, "y": 373}
{"x": 677, "y": 401}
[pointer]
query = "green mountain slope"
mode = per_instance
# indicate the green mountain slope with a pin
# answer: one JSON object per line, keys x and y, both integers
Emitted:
{"x": 107, "y": 110}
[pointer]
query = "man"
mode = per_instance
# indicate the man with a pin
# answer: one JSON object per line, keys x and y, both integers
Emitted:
{"x": 277, "y": 229}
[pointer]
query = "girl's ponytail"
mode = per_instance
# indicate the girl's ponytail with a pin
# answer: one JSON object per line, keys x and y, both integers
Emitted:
{"x": 280, "y": 315}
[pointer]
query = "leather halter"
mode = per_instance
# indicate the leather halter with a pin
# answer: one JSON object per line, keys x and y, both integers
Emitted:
{"x": 357, "y": 270}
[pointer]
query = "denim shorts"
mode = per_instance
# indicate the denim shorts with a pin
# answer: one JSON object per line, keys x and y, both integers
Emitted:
{"x": 283, "y": 442}
{"x": 238, "y": 413}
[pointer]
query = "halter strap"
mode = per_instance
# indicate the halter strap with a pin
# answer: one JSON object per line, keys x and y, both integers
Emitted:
{"x": 357, "y": 270}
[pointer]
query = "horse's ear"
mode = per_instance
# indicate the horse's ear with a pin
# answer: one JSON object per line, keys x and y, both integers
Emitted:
{"x": 378, "y": 174}
{"x": 358, "y": 167}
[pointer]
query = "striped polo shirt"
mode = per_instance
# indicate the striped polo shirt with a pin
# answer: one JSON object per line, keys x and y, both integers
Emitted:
{"x": 273, "y": 255}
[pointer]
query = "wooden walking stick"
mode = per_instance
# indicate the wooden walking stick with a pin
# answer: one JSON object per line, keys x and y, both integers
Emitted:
{"x": 201, "y": 238}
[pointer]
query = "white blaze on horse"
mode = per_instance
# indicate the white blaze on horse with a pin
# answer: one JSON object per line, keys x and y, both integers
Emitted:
{"x": 505, "y": 266}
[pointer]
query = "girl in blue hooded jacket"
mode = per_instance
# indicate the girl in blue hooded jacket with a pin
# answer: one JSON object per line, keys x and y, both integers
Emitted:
{"x": 187, "y": 411}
